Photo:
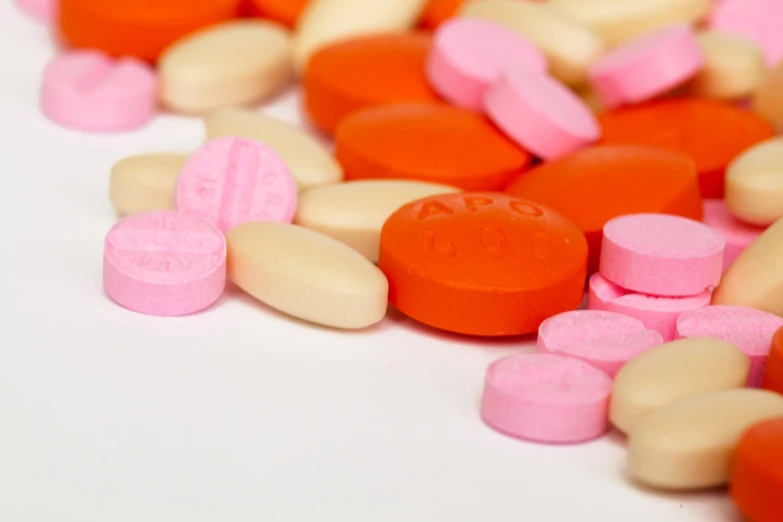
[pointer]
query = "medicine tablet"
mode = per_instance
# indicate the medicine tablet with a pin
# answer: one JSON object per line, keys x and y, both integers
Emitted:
{"x": 773, "y": 377}
{"x": 605, "y": 340}
{"x": 735, "y": 233}
{"x": 749, "y": 329}
{"x": 661, "y": 255}
{"x": 354, "y": 212}
{"x": 733, "y": 67}
{"x": 232, "y": 64}
{"x": 468, "y": 55}
{"x": 757, "y": 472}
{"x": 145, "y": 182}
{"x": 42, "y": 10}
{"x": 230, "y": 181}
{"x": 673, "y": 371}
{"x": 482, "y": 263}
{"x": 758, "y": 20}
{"x": 306, "y": 274}
{"x": 164, "y": 263}
{"x": 546, "y": 398}
{"x": 690, "y": 444}
{"x": 754, "y": 184}
{"x": 89, "y": 91}
{"x": 286, "y": 12}
{"x": 767, "y": 101}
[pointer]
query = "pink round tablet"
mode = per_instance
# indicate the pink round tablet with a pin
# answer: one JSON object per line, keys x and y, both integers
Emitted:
{"x": 546, "y": 398}
{"x": 87, "y": 90}
{"x": 164, "y": 263}
{"x": 467, "y": 55}
{"x": 605, "y": 340}
{"x": 42, "y": 10}
{"x": 661, "y": 255}
{"x": 230, "y": 181}
{"x": 656, "y": 313}
{"x": 737, "y": 235}
{"x": 757, "y": 20}
{"x": 541, "y": 114}
{"x": 647, "y": 67}
{"x": 749, "y": 329}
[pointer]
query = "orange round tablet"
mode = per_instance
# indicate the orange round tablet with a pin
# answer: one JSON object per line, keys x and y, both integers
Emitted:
{"x": 428, "y": 143}
{"x": 140, "y": 28}
{"x": 482, "y": 263}
{"x": 597, "y": 184}
{"x": 773, "y": 378}
{"x": 711, "y": 132}
{"x": 757, "y": 473}
{"x": 285, "y": 12}
{"x": 364, "y": 72}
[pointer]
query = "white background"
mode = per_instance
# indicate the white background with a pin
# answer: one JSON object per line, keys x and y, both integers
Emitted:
{"x": 238, "y": 413}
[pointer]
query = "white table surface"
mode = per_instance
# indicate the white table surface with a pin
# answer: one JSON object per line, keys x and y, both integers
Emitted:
{"x": 239, "y": 413}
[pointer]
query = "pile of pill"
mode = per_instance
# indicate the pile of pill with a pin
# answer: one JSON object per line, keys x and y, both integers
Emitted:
{"x": 603, "y": 173}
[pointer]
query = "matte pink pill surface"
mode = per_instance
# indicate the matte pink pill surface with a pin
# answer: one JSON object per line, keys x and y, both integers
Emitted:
{"x": 757, "y": 20}
{"x": 546, "y": 398}
{"x": 42, "y": 10}
{"x": 605, "y": 340}
{"x": 749, "y": 329}
{"x": 231, "y": 181}
{"x": 656, "y": 313}
{"x": 90, "y": 91}
{"x": 164, "y": 263}
{"x": 737, "y": 235}
{"x": 647, "y": 67}
{"x": 467, "y": 55}
{"x": 541, "y": 114}
{"x": 662, "y": 255}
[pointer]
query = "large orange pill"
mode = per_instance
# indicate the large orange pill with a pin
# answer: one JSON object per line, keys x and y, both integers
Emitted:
{"x": 757, "y": 473}
{"x": 482, "y": 263}
{"x": 285, "y": 12}
{"x": 773, "y": 378}
{"x": 597, "y": 184}
{"x": 140, "y": 28}
{"x": 364, "y": 72}
{"x": 434, "y": 143}
{"x": 711, "y": 132}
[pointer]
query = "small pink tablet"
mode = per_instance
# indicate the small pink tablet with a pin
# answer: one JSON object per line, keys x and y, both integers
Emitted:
{"x": 656, "y": 313}
{"x": 605, "y": 340}
{"x": 230, "y": 181}
{"x": 541, "y": 114}
{"x": 546, "y": 398}
{"x": 164, "y": 263}
{"x": 41, "y": 10}
{"x": 467, "y": 55}
{"x": 757, "y": 20}
{"x": 663, "y": 255}
{"x": 89, "y": 91}
{"x": 647, "y": 67}
{"x": 737, "y": 235}
{"x": 749, "y": 329}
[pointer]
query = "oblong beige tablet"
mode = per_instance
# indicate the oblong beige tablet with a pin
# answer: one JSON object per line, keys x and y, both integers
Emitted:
{"x": 754, "y": 184}
{"x": 310, "y": 162}
{"x": 618, "y": 21}
{"x": 673, "y": 371}
{"x": 354, "y": 212}
{"x": 689, "y": 444}
{"x": 235, "y": 63}
{"x": 733, "y": 67}
{"x": 767, "y": 101}
{"x": 570, "y": 46}
{"x": 306, "y": 274}
{"x": 145, "y": 182}
{"x": 325, "y": 21}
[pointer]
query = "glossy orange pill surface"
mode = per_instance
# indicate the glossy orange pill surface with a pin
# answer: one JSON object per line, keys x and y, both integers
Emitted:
{"x": 482, "y": 263}
{"x": 773, "y": 378}
{"x": 594, "y": 185}
{"x": 757, "y": 473}
{"x": 434, "y": 143}
{"x": 365, "y": 72}
{"x": 285, "y": 12}
{"x": 140, "y": 28}
{"x": 711, "y": 132}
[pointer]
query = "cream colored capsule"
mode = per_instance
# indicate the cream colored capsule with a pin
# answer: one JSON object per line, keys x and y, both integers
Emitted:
{"x": 355, "y": 212}
{"x": 235, "y": 63}
{"x": 145, "y": 182}
{"x": 310, "y": 162}
{"x": 689, "y": 444}
{"x": 733, "y": 67}
{"x": 618, "y": 21}
{"x": 673, "y": 371}
{"x": 570, "y": 45}
{"x": 754, "y": 184}
{"x": 767, "y": 101}
{"x": 306, "y": 274}
{"x": 325, "y": 21}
